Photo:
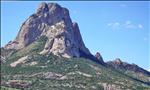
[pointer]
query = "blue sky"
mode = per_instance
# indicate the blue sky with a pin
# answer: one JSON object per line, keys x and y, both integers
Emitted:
{"x": 116, "y": 29}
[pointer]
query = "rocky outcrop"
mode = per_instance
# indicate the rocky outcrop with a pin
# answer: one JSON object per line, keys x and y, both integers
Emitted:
{"x": 52, "y": 21}
{"x": 18, "y": 84}
{"x": 120, "y": 65}
{"x": 20, "y": 61}
{"x": 110, "y": 86}
{"x": 99, "y": 57}
{"x": 5, "y": 53}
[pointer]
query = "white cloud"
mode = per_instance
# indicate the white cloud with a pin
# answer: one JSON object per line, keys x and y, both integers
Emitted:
{"x": 128, "y": 22}
{"x": 140, "y": 26}
{"x": 114, "y": 25}
{"x": 109, "y": 24}
{"x": 126, "y": 25}
{"x": 129, "y": 25}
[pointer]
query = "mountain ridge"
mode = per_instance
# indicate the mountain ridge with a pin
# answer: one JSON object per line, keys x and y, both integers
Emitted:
{"x": 49, "y": 52}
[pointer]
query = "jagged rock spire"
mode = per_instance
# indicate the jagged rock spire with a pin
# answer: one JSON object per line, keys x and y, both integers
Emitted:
{"x": 99, "y": 57}
{"x": 52, "y": 21}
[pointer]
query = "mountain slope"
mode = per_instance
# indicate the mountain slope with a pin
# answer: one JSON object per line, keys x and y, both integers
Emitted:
{"x": 130, "y": 69}
{"x": 77, "y": 73}
{"x": 49, "y": 54}
{"x": 49, "y": 71}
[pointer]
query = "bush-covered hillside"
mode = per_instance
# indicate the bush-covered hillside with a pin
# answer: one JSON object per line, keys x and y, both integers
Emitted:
{"x": 49, "y": 72}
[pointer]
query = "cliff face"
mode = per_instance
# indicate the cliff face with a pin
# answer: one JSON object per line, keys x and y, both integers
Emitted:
{"x": 53, "y": 21}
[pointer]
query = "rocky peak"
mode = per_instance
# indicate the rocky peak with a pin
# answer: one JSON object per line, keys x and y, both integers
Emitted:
{"x": 118, "y": 61}
{"x": 52, "y": 8}
{"x": 43, "y": 8}
{"x": 98, "y": 56}
{"x": 53, "y": 21}
{"x": 120, "y": 65}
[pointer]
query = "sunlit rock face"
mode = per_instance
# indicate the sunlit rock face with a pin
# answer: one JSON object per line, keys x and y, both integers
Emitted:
{"x": 52, "y": 21}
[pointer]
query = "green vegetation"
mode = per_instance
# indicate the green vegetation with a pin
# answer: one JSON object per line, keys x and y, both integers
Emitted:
{"x": 7, "y": 88}
{"x": 74, "y": 81}
{"x": 31, "y": 49}
{"x": 55, "y": 73}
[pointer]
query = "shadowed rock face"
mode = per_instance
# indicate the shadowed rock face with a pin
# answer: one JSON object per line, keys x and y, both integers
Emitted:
{"x": 120, "y": 65}
{"x": 99, "y": 57}
{"x": 52, "y": 21}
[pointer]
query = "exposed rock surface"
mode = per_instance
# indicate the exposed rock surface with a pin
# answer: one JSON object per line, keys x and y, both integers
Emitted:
{"x": 19, "y": 61}
{"x": 5, "y": 53}
{"x": 110, "y": 87}
{"x": 99, "y": 57}
{"x": 16, "y": 83}
{"x": 120, "y": 65}
{"x": 52, "y": 21}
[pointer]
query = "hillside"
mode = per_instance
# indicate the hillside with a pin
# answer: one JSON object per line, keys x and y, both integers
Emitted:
{"x": 48, "y": 53}
{"x": 44, "y": 72}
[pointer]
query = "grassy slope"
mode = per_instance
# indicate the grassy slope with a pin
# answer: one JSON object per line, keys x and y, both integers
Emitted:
{"x": 99, "y": 73}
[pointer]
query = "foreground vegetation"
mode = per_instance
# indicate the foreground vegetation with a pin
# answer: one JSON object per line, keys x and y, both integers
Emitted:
{"x": 56, "y": 73}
